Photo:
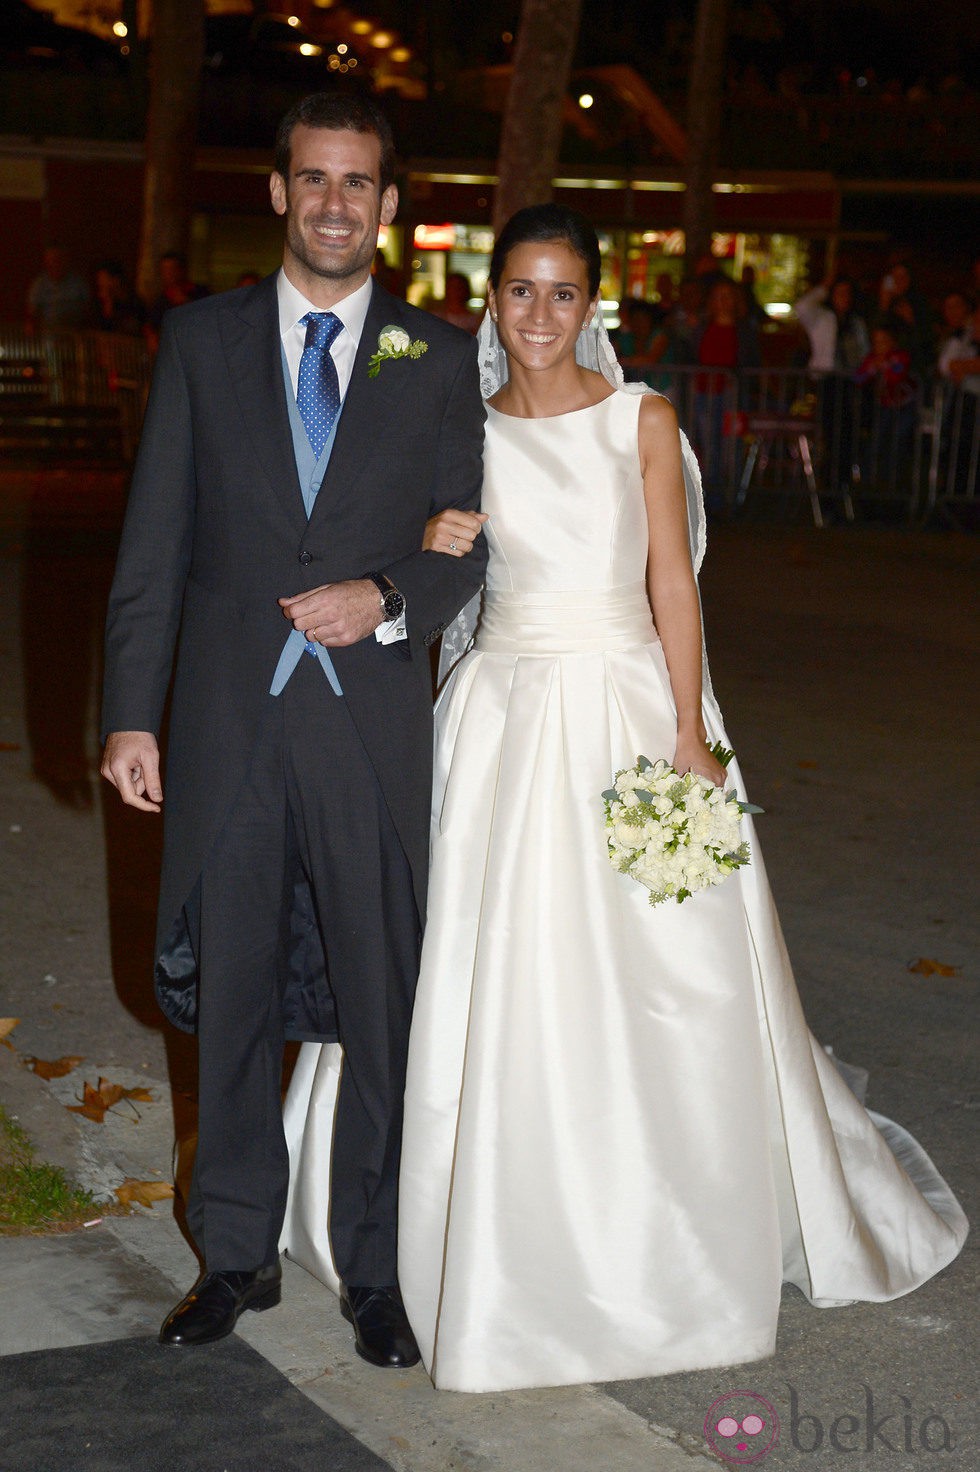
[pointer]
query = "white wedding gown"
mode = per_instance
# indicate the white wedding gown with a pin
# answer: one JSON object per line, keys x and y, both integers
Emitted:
{"x": 620, "y": 1136}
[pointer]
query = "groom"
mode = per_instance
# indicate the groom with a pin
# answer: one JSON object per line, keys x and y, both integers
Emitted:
{"x": 298, "y": 435}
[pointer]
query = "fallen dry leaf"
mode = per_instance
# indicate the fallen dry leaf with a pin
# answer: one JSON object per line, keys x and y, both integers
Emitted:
{"x": 56, "y": 1068}
{"x": 7, "y": 1024}
{"x": 144, "y": 1193}
{"x": 95, "y": 1102}
{"x": 926, "y": 966}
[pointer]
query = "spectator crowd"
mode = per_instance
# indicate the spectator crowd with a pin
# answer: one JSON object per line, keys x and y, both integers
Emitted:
{"x": 891, "y": 344}
{"x": 888, "y": 337}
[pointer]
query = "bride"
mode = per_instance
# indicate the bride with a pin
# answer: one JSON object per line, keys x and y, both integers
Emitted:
{"x": 620, "y": 1137}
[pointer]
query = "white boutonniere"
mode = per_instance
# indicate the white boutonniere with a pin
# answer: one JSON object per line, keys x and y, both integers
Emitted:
{"x": 394, "y": 342}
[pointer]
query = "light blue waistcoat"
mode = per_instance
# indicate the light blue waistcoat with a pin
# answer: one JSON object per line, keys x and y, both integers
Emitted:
{"x": 311, "y": 472}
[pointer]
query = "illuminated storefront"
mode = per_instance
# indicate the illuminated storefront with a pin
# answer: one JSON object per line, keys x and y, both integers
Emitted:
{"x": 774, "y": 225}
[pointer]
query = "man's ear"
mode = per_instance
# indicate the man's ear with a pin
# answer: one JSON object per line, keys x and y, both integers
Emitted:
{"x": 278, "y": 193}
{"x": 389, "y": 204}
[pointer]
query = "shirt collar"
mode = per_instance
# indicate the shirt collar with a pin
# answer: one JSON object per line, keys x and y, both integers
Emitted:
{"x": 352, "y": 310}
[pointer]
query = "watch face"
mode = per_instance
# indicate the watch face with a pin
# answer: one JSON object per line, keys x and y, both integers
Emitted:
{"x": 394, "y": 603}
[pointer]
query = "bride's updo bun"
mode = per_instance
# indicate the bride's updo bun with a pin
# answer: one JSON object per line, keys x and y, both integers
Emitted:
{"x": 545, "y": 223}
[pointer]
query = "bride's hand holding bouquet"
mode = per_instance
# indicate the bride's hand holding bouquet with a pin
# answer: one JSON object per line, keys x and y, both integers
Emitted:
{"x": 693, "y": 754}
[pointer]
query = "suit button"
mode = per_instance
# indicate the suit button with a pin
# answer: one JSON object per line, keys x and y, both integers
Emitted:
{"x": 305, "y": 558}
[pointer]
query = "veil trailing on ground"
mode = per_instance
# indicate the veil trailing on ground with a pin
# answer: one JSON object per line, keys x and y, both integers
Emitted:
{"x": 594, "y": 351}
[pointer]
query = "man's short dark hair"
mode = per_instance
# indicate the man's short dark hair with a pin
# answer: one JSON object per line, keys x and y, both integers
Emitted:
{"x": 339, "y": 111}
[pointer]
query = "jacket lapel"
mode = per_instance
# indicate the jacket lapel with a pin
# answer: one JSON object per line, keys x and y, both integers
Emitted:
{"x": 253, "y": 352}
{"x": 368, "y": 404}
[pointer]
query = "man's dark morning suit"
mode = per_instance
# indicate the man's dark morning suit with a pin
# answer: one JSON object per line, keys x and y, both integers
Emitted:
{"x": 296, "y": 825}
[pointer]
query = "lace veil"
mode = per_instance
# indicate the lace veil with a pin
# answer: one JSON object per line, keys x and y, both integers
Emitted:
{"x": 595, "y": 351}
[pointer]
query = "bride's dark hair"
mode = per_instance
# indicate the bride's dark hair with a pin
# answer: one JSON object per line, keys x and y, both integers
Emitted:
{"x": 543, "y": 223}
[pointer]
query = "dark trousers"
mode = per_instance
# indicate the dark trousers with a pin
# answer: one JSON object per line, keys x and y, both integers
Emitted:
{"x": 311, "y": 800}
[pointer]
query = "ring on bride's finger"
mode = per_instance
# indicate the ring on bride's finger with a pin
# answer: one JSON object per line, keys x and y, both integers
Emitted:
{"x": 453, "y": 545}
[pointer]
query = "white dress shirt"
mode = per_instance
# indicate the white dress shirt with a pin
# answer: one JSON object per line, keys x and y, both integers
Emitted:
{"x": 293, "y": 307}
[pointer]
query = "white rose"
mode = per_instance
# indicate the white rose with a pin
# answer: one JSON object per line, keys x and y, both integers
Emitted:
{"x": 627, "y": 836}
{"x": 394, "y": 340}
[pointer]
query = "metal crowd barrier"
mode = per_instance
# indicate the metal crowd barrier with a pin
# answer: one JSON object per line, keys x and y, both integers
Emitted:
{"x": 953, "y": 431}
{"x": 72, "y": 392}
{"x": 757, "y": 432}
{"x": 788, "y": 432}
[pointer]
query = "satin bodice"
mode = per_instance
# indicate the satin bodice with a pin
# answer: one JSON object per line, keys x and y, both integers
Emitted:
{"x": 560, "y": 492}
{"x": 567, "y": 532}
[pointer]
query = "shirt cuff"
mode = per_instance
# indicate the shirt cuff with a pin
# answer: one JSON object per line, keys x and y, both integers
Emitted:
{"x": 392, "y": 630}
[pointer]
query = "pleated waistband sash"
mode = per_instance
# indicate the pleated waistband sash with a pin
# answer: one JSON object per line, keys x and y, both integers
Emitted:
{"x": 573, "y": 622}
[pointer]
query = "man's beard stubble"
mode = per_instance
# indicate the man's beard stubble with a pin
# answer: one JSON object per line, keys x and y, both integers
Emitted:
{"x": 362, "y": 257}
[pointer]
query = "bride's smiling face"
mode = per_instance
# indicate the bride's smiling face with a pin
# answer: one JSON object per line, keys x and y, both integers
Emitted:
{"x": 541, "y": 303}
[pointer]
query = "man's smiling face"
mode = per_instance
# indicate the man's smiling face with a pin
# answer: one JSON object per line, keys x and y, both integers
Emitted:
{"x": 334, "y": 207}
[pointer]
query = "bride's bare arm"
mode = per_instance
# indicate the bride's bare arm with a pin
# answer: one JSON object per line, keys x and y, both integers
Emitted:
{"x": 670, "y": 582}
{"x": 453, "y": 532}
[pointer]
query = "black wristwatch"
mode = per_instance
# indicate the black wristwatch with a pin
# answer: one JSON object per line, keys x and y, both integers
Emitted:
{"x": 392, "y": 602}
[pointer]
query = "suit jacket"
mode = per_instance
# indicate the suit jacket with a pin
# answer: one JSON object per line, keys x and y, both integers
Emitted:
{"x": 216, "y": 531}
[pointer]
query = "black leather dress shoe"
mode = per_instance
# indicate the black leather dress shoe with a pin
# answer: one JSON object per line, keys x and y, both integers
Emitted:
{"x": 382, "y": 1333}
{"x": 211, "y": 1309}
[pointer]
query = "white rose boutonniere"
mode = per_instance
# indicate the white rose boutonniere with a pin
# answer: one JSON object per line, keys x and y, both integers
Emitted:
{"x": 394, "y": 342}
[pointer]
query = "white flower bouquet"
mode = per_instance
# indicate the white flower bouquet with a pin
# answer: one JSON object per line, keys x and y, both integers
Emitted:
{"x": 674, "y": 835}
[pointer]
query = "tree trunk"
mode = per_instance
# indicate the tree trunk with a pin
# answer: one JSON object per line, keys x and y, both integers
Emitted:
{"x": 704, "y": 106}
{"x": 531, "y": 135}
{"x": 176, "y": 60}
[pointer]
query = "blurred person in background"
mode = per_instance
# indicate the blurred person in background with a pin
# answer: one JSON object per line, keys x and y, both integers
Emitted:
{"x": 176, "y": 289}
{"x": 116, "y": 307}
{"x": 839, "y": 344}
{"x": 685, "y": 320}
{"x": 887, "y": 369}
{"x": 959, "y": 340}
{"x": 642, "y": 339}
{"x": 838, "y": 335}
{"x": 904, "y": 311}
{"x": 727, "y": 341}
{"x": 58, "y": 299}
{"x": 455, "y": 305}
{"x": 888, "y": 410}
{"x": 754, "y": 309}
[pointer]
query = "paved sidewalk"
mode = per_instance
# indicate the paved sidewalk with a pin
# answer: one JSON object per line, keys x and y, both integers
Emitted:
{"x": 846, "y": 665}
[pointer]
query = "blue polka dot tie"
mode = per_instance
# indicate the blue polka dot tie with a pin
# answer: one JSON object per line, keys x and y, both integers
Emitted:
{"x": 318, "y": 388}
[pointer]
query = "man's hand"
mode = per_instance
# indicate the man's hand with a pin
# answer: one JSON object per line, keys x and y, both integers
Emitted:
{"x": 131, "y": 762}
{"x": 336, "y": 614}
